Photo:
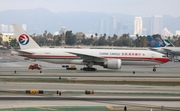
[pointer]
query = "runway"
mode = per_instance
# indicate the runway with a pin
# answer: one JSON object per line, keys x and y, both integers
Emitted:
{"x": 110, "y": 96}
{"x": 109, "y": 103}
{"x": 40, "y": 98}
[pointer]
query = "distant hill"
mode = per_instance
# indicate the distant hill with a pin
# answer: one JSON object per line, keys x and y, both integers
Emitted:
{"x": 40, "y": 19}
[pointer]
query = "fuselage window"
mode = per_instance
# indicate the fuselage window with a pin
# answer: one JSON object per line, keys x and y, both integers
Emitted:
{"x": 47, "y": 52}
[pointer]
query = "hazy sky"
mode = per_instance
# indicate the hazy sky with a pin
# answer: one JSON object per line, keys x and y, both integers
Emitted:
{"x": 134, "y": 7}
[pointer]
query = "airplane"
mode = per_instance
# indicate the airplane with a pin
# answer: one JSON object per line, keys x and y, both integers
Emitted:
{"x": 163, "y": 42}
{"x": 167, "y": 48}
{"x": 155, "y": 44}
{"x": 168, "y": 43}
{"x": 108, "y": 58}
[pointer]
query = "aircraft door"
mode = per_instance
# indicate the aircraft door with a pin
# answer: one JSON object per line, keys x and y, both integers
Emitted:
{"x": 152, "y": 56}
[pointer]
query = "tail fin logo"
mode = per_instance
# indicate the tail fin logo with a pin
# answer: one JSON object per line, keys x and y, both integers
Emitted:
{"x": 152, "y": 43}
{"x": 23, "y": 39}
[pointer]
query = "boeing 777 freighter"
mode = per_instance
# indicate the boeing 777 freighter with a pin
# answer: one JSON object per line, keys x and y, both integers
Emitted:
{"x": 111, "y": 59}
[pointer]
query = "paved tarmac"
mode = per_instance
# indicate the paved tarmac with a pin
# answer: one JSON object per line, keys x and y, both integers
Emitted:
{"x": 165, "y": 72}
{"x": 82, "y": 87}
{"x": 105, "y": 97}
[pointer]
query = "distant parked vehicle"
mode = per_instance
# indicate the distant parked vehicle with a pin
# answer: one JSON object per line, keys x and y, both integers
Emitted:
{"x": 35, "y": 66}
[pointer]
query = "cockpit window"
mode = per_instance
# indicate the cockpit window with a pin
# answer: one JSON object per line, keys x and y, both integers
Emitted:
{"x": 164, "y": 56}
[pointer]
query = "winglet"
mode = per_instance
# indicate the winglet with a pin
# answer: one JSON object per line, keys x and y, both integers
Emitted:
{"x": 23, "y": 38}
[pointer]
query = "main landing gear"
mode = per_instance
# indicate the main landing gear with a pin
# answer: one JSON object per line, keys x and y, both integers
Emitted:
{"x": 88, "y": 69}
{"x": 154, "y": 69}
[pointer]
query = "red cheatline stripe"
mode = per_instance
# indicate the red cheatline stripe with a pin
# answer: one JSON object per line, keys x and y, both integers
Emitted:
{"x": 164, "y": 60}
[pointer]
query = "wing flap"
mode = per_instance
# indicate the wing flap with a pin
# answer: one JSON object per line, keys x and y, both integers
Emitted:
{"x": 167, "y": 50}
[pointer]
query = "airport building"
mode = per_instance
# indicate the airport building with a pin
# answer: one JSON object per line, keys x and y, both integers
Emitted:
{"x": 7, "y": 37}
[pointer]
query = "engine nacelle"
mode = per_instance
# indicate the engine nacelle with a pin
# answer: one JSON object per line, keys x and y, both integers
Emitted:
{"x": 112, "y": 64}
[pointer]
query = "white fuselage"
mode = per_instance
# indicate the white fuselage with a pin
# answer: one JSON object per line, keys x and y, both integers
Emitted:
{"x": 67, "y": 56}
{"x": 111, "y": 59}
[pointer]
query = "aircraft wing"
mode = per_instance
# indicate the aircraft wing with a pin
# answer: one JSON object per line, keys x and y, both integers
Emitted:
{"x": 87, "y": 57}
{"x": 167, "y": 50}
{"x": 171, "y": 51}
{"x": 153, "y": 49}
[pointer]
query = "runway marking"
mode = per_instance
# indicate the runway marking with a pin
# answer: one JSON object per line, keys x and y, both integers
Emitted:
{"x": 63, "y": 90}
{"x": 46, "y": 108}
{"x": 126, "y": 85}
{"x": 74, "y": 71}
{"x": 110, "y": 107}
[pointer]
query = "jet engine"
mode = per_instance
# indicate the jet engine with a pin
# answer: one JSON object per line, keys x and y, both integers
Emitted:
{"x": 112, "y": 64}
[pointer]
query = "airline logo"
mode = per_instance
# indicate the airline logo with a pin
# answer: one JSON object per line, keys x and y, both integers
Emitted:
{"x": 152, "y": 43}
{"x": 23, "y": 39}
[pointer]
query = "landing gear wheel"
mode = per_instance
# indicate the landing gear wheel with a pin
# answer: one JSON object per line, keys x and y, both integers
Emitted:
{"x": 88, "y": 69}
{"x": 154, "y": 69}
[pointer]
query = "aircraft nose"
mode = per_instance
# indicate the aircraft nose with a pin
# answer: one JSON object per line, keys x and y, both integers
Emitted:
{"x": 163, "y": 60}
{"x": 166, "y": 60}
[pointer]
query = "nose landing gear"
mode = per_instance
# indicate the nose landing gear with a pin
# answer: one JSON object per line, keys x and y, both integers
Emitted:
{"x": 154, "y": 69}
